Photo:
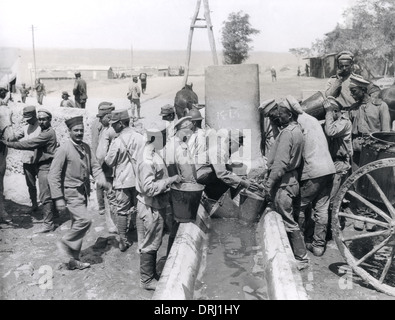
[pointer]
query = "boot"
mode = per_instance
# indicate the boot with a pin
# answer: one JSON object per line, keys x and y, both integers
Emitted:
{"x": 48, "y": 224}
{"x": 122, "y": 224}
{"x": 299, "y": 249}
{"x": 148, "y": 270}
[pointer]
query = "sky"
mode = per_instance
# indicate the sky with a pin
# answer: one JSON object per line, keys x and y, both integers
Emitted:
{"x": 162, "y": 24}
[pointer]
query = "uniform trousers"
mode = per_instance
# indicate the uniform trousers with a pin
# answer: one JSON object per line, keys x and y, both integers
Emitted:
{"x": 77, "y": 200}
{"x": 30, "y": 172}
{"x": 150, "y": 227}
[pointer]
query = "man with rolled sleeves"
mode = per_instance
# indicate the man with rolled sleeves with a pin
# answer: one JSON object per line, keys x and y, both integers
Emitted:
{"x": 32, "y": 129}
{"x": 70, "y": 185}
{"x": 281, "y": 184}
{"x": 123, "y": 155}
{"x": 153, "y": 186}
{"x": 107, "y": 134}
{"x": 44, "y": 146}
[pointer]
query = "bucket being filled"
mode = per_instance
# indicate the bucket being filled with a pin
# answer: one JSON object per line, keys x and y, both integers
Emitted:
{"x": 251, "y": 206}
{"x": 185, "y": 200}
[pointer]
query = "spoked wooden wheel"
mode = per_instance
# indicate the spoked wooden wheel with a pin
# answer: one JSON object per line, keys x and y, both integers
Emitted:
{"x": 365, "y": 229}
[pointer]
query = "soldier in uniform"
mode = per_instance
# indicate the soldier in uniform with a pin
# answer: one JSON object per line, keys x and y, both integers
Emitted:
{"x": 32, "y": 129}
{"x": 368, "y": 115}
{"x": 107, "y": 134}
{"x": 123, "y": 155}
{"x": 281, "y": 184}
{"x": 134, "y": 97}
{"x": 44, "y": 146}
{"x": 80, "y": 91}
{"x": 338, "y": 85}
{"x": 24, "y": 92}
{"x": 197, "y": 141}
{"x": 40, "y": 91}
{"x": 70, "y": 185}
{"x": 168, "y": 114}
{"x": 153, "y": 185}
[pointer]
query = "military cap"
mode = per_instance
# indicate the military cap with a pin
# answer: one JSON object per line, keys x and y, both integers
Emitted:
{"x": 65, "y": 93}
{"x": 77, "y": 73}
{"x": 166, "y": 110}
{"x": 49, "y": 114}
{"x": 345, "y": 55}
{"x": 104, "y": 103}
{"x": 195, "y": 115}
{"x": 74, "y": 121}
{"x": 291, "y": 104}
{"x": 335, "y": 102}
{"x": 118, "y": 115}
{"x": 29, "y": 112}
{"x": 358, "y": 82}
{"x": 183, "y": 123}
{"x": 105, "y": 109}
{"x": 266, "y": 106}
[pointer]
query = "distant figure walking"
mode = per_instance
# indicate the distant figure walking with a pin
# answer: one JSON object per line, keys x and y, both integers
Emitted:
{"x": 274, "y": 75}
{"x": 134, "y": 97}
{"x": 143, "y": 80}
{"x": 40, "y": 91}
{"x": 298, "y": 71}
{"x": 79, "y": 91}
{"x": 307, "y": 69}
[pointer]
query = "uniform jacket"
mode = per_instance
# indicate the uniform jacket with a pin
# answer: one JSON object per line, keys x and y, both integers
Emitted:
{"x": 285, "y": 157}
{"x": 117, "y": 157}
{"x": 152, "y": 179}
{"x": 79, "y": 90}
{"x": 24, "y": 92}
{"x": 107, "y": 134}
{"x": 370, "y": 116}
{"x": 44, "y": 145}
{"x": 29, "y": 131}
{"x": 71, "y": 168}
{"x": 134, "y": 91}
{"x": 339, "y": 140}
{"x": 317, "y": 161}
{"x": 340, "y": 90}
{"x": 40, "y": 88}
{"x": 178, "y": 159}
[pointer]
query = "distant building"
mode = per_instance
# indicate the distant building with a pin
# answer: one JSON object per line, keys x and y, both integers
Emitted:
{"x": 323, "y": 66}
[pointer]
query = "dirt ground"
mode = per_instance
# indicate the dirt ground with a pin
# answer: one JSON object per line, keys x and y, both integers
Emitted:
{"x": 30, "y": 266}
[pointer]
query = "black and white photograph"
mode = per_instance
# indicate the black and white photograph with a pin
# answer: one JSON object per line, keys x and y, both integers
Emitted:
{"x": 198, "y": 155}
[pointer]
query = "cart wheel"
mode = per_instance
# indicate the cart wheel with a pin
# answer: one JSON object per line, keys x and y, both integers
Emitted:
{"x": 368, "y": 251}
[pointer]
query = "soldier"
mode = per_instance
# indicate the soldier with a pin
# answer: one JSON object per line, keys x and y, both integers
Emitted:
{"x": 107, "y": 134}
{"x": 134, "y": 97}
{"x": 70, "y": 185}
{"x": 24, "y": 92}
{"x": 168, "y": 114}
{"x": 123, "y": 155}
{"x": 338, "y": 85}
{"x": 269, "y": 109}
{"x": 197, "y": 141}
{"x": 80, "y": 91}
{"x": 44, "y": 146}
{"x": 66, "y": 102}
{"x": 367, "y": 115}
{"x": 315, "y": 181}
{"x": 31, "y": 130}
{"x": 40, "y": 91}
{"x": 143, "y": 79}
{"x": 281, "y": 184}
{"x": 153, "y": 185}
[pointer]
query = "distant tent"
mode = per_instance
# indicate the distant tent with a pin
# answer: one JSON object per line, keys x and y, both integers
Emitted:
{"x": 9, "y": 68}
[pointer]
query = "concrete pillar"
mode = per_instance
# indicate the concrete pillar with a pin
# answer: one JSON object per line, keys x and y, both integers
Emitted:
{"x": 232, "y": 101}
{"x": 282, "y": 275}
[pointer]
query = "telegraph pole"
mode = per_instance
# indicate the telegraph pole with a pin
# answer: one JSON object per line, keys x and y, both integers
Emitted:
{"x": 131, "y": 59}
{"x": 34, "y": 57}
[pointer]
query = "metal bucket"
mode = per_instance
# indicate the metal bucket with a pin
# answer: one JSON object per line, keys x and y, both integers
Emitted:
{"x": 314, "y": 105}
{"x": 185, "y": 200}
{"x": 377, "y": 146}
{"x": 251, "y": 206}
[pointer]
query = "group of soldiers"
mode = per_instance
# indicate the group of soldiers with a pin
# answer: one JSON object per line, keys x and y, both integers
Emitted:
{"x": 134, "y": 169}
{"x": 309, "y": 160}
